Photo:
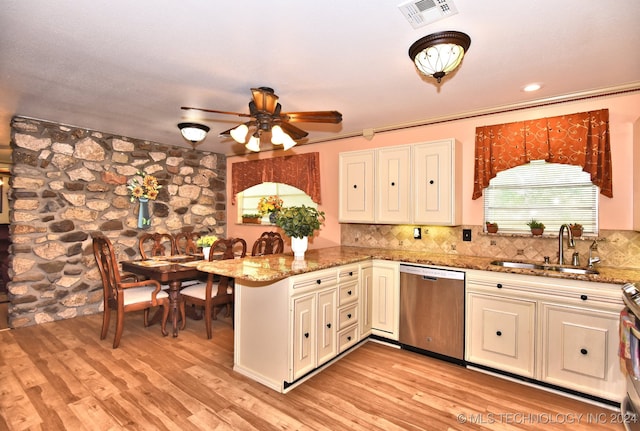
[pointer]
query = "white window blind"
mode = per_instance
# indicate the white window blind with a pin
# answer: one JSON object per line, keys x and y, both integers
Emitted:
{"x": 548, "y": 192}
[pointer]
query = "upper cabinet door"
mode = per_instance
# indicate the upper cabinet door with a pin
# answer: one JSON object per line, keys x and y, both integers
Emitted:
{"x": 393, "y": 185}
{"x": 356, "y": 186}
{"x": 437, "y": 194}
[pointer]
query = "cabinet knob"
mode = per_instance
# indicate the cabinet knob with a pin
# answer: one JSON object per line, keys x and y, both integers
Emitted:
{"x": 499, "y": 285}
{"x": 355, "y": 186}
{"x": 329, "y": 325}
{"x": 318, "y": 281}
{"x": 584, "y": 297}
{"x": 349, "y": 293}
{"x": 393, "y": 183}
{"x": 431, "y": 181}
{"x": 349, "y": 316}
{"x": 349, "y": 338}
{"x": 350, "y": 273}
{"x": 584, "y": 351}
{"x": 306, "y": 335}
{"x": 499, "y": 333}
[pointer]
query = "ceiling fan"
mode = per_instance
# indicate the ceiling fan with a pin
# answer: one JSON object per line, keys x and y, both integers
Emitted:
{"x": 267, "y": 116}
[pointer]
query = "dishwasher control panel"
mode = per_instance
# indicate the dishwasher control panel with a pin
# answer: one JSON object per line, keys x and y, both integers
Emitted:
{"x": 432, "y": 272}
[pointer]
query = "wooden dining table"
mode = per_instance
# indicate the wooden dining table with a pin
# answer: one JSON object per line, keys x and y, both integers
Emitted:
{"x": 171, "y": 270}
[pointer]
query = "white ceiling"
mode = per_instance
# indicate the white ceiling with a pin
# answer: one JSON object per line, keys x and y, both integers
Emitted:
{"x": 126, "y": 67}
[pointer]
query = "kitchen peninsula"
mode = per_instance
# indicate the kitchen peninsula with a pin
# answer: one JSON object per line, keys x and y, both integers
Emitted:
{"x": 294, "y": 317}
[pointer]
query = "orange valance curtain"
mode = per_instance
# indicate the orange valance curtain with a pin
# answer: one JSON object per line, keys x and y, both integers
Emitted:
{"x": 301, "y": 171}
{"x": 577, "y": 139}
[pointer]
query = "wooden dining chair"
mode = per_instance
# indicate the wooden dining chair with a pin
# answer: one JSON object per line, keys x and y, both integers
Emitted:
{"x": 156, "y": 244}
{"x": 217, "y": 291}
{"x": 123, "y": 296}
{"x": 268, "y": 243}
{"x": 185, "y": 243}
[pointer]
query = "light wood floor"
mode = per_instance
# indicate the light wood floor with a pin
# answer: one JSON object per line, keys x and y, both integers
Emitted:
{"x": 59, "y": 375}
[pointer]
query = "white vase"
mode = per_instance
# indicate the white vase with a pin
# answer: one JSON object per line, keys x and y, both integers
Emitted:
{"x": 299, "y": 246}
{"x": 205, "y": 252}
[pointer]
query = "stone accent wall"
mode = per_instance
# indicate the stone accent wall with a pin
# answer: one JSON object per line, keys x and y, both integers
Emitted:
{"x": 68, "y": 182}
{"x": 619, "y": 248}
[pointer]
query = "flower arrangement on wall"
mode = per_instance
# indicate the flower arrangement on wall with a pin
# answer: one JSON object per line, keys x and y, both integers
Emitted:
{"x": 144, "y": 186}
{"x": 269, "y": 204}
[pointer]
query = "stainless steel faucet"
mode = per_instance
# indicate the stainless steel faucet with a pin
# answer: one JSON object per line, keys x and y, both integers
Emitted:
{"x": 561, "y": 242}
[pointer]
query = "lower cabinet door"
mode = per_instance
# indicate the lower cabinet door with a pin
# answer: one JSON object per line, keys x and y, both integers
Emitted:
{"x": 501, "y": 333}
{"x": 327, "y": 328}
{"x": 304, "y": 335}
{"x": 580, "y": 350}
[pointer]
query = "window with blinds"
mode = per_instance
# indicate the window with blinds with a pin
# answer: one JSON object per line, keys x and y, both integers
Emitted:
{"x": 552, "y": 193}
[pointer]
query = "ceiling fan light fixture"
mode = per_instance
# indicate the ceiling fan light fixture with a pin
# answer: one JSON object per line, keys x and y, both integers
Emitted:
{"x": 439, "y": 54}
{"x": 277, "y": 135}
{"x": 288, "y": 142}
{"x": 254, "y": 143}
{"x": 239, "y": 134}
{"x": 193, "y": 132}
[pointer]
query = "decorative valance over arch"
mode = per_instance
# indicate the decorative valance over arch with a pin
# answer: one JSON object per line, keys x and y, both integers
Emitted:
{"x": 301, "y": 171}
{"x": 580, "y": 139}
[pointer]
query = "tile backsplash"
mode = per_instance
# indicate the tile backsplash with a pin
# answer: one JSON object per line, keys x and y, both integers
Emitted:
{"x": 619, "y": 248}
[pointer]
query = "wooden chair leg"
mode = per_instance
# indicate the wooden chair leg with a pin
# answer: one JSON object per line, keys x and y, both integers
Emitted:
{"x": 183, "y": 314}
{"x": 106, "y": 317}
{"x": 207, "y": 319}
{"x": 165, "y": 317}
{"x": 146, "y": 317}
{"x": 119, "y": 328}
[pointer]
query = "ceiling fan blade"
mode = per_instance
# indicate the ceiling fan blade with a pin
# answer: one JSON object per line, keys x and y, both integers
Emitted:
{"x": 215, "y": 111}
{"x": 265, "y": 99}
{"x": 293, "y": 131}
{"x": 333, "y": 117}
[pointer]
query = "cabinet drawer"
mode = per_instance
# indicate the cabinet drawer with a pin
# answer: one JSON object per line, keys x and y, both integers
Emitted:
{"x": 347, "y": 316}
{"x": 347, "y": 338}
{"x": 348, "y": 273}
{"x": 315, "y": 280}
{"x": 348, "y": 293}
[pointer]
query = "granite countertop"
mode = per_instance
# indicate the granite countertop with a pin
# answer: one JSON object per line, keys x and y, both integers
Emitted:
{"x": 265, "y": 269}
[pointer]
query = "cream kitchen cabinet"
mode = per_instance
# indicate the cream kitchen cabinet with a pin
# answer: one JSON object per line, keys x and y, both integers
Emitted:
{"x": 501, "y": 333}
{"x": 314, "y": 330}
{"x": 437, "y": 195}
{"x": 287, "y": 329}
{"x": 558, "y": 331}
{"x": 580, "y": 349}
{"x": 357, "y": 187}
{"x": 385, "y": 300}
{"x": 348, "y": 306}
{"x": 393, "y": 185}
{"x": 402, "y": 184}
{"x": 366, "y": 295}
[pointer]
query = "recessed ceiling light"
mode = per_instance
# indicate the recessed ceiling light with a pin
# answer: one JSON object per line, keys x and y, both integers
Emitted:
{"x": 532, "y": 87}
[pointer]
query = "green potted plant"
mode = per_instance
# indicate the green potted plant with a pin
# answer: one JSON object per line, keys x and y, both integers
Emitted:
{"x": 492, "y": 227}
{"x": 251, "y": 218}
{"x": 576, "y": 229}
{"x": 299, "y": 223}
{"x": 537, "y": 227}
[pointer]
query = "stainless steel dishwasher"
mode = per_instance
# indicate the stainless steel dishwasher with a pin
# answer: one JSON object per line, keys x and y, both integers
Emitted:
{"x": 432, "y": 310}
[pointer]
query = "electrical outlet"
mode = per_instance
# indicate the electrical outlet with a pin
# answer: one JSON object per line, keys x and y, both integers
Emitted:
{"x": 466, "y": 234}
{"x": 417, "y": 233}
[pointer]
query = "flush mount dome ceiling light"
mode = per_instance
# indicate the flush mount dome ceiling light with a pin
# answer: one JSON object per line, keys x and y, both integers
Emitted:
{"x": 193, "y": 132}
{"x": 438, "y": 54}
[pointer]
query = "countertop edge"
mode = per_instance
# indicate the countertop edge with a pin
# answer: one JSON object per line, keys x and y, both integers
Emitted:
{"x": 265, "y": 269}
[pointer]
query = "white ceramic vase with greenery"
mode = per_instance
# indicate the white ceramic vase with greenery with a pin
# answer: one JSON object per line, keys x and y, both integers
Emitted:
{"x": 299, "y": 223}
{"x": 206, "y": 242}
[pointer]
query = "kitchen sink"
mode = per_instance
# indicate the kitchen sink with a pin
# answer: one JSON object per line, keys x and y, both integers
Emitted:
{"x": 543, "y": 267}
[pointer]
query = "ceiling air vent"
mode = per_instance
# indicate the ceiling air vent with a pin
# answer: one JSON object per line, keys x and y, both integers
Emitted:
{"x": 422, "y": 12}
